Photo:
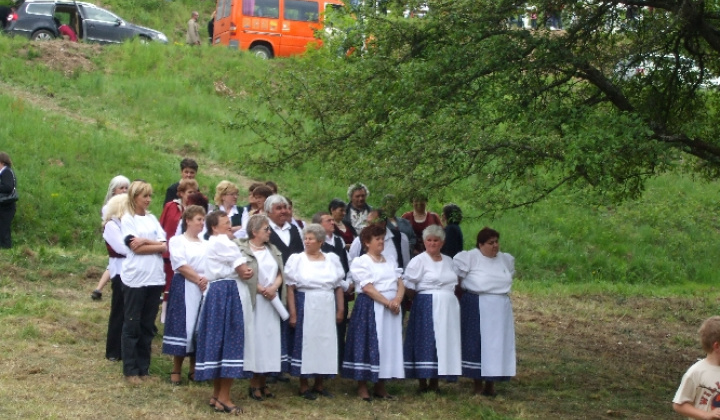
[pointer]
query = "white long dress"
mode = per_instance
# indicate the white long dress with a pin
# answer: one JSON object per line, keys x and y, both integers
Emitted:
{"x": 268, "y": 351}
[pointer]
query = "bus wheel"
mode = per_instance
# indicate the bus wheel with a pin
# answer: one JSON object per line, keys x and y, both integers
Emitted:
{"x": 261, "y": 51}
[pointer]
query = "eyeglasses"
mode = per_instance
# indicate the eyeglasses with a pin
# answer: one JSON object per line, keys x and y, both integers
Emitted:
{"x": 268, "y": 229}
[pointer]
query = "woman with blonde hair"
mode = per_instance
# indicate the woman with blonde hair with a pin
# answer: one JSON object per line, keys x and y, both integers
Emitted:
{"x": 118, "y": 185}
{"x": 143, "y": 280}
{"x": 117, "y": 250}
{"x": 226, "y": 197}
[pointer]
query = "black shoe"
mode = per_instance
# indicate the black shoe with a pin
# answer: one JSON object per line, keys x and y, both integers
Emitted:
{"x": 324, "y": 392}
{"x": 251, "y": 394}
{"x": 96, "y": 295}
{"x": 281, "y": 378}
{"x": 308, "y": 395}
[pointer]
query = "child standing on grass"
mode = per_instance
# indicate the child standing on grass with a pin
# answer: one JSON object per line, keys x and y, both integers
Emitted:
{"x": 699, "y": 394}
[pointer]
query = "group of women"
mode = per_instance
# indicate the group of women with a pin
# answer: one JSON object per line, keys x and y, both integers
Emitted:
{"x": 236, "y": 310}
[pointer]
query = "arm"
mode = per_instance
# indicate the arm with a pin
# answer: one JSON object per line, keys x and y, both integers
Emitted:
{"x": 397, "y": 300}
{"x": 271, "y": 290}
{"x": 192, "y": 276}
{"x": 687, "y": 409}
{"x": 244, "y": 271}
{"x": 339, "y": 305}
{"x": 291, "y": 306}
{"x": 142, "y": 246}
{"x": 370, "y": 290}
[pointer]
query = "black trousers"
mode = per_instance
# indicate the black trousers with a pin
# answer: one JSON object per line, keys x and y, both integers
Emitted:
{"x": 141, "y": 308}
{"x": 341, "y": 331}
{"x": 7, "y": 213}
{"x": 113, "y": 345}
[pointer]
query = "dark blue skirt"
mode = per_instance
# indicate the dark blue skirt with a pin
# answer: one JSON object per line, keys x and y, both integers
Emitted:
{"x": 175, "y": 339}
{"x": 361, "y": 361}
{"x": 221, "y": 334}
{"x": 419, "y": 348}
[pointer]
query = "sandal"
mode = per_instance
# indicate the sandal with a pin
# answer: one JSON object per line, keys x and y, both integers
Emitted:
{"x": 266, "y": 392}
{"x": 191, "y": 376}
{"x": 212, "y": 401}
{"x": 252, "y": 391}
{"x": 324, "y": 392}
{"x": 308, "y": 395}
{"x": 236, "y": 410}
{"x": 175, "y": 383}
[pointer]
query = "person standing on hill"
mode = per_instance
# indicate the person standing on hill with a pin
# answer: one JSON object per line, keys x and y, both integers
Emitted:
{"x": 193, "y": 34}
{"x": 8, "y": 203}
{"x": 188, "y": 170}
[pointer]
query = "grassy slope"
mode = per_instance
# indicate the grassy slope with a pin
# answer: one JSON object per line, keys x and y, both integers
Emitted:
{"x": 143, "y": 107}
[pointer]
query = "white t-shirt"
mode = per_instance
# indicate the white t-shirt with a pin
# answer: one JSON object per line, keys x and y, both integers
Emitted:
{"x": 425, "y": 274}
{"x": 140, "y": 270}
{"x": 481, "y": 274}
{"x": 700, "y": 386}
{"x": 113, "y": 236}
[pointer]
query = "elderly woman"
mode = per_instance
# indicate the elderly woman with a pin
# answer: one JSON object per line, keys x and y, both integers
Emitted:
{"x": 170, "y": 219}
{"x": 357, "y": 210}
{"x": 225, "y": 337}
{"x": 315, "y": 303}
{"x": 342, "y": 229}
{"x": 143, "y": 280}
{"x": 373, "y": 349}
{"x": 487, "y": 325}
{"x": 187, "y": 254}
{"x": 118, "y": 185}
{"x": 265, "y": 285}
{"x": 112, "y": 233}
{"x": 432, "y": 340}
{"x": 226, "y": 197}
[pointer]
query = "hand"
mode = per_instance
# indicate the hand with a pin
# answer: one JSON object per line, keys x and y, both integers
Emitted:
{"x": 136, "y": 243}
{"x": 293, "y": 320}
{"x": 340, "y": 316}
{"x": 351, "y": 289}
{"x": 202, "y": 283}
{"x": 247, "y": 274}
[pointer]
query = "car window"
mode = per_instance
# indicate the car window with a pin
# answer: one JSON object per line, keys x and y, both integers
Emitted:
{"x": 262, "y": 8}
{"x": 40, "y": 9}
{"x": 95, "y": 13}
{"x": 306, "y": 11}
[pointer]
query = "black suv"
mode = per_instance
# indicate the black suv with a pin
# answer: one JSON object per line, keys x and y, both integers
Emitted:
{"x": 37, "y": 20}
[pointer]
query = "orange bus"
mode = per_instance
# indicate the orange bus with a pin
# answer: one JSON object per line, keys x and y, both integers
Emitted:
{"x": 269, "y": 28}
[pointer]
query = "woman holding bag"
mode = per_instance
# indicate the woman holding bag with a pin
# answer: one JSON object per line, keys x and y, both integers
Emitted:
{"x": 8, "y": 197}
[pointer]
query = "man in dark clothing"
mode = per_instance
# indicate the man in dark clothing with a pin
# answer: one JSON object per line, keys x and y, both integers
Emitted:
{"x": 188, "y": 170}
{"x": 5, "y": 13}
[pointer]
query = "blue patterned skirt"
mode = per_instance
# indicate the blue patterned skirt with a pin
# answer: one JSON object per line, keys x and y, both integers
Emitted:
{"x": 361, "y": 361}
{"x": 178, "y": 337}
{"x": 221, "y": 334}
{"x": 420, "y": 349}
{"x": 471, "y": 338}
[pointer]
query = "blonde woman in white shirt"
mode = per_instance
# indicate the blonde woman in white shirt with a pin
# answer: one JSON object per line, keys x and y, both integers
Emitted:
{"x": 487, "y": 323}
{"x": 143, "y": 280}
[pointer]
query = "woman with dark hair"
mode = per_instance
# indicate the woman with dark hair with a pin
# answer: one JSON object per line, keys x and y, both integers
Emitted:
{"x": 432, "y": 339}
{"x": 451, "y": 217}
{"x": 143, "y": 280}
{"x": 373, "y": 349}
{"x": 342, "y": 229}
{"x": 169, "y": 220}
{"x": 265, "y": 260}
{"x": 315, "y": 303}
{"x": 420, "y": 218}
{"x": 225, "y": 336}
{"x": 487, "y": 324}
{"x": 8, "y": 184}
{"x": 187, "y": 255}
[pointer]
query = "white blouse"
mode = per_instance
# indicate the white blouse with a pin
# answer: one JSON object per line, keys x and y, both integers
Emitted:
{"x": 221, "y": 257}
{"x": 425, "y": 274}
{"x": 481, "y": 274}
{"x": 187, "y": 252}
{"x": 383, "y": 275}
{"x": 113, "y": 236}
{"x": 267, "y": 267}
{"x": 304, "y": 274}
{"x": 140, "y": 270}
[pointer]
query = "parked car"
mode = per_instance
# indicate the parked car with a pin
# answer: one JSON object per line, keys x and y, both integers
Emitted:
{"x": 36, "y": 19}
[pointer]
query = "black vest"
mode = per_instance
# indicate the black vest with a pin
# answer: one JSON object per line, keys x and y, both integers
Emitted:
{"x": 296, "y": 243}
{"x": 339, "y": 250}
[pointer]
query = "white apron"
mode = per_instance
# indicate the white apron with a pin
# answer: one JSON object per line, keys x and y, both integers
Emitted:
{"x": 497, "y": 335}
{"x": 446, "y": 324}
{"x": 389, "y": 335}
{"x": 319, "y": 341}
{"x": 268, "y": 352}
